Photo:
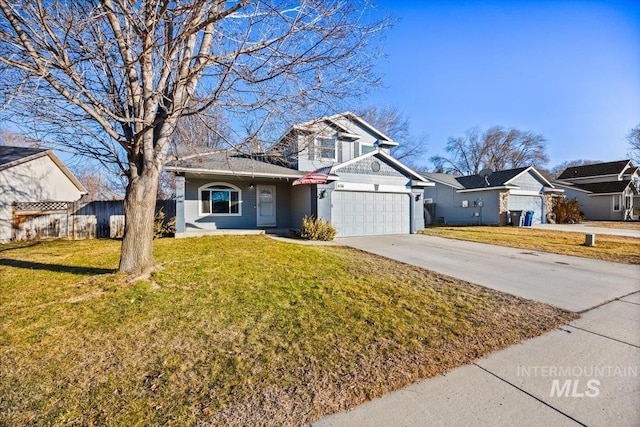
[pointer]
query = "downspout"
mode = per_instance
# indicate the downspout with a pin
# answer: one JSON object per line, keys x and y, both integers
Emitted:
{"x": 412, "y": 209}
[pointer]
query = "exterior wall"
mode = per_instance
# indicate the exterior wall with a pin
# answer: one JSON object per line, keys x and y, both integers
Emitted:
{"x": 38, "y": 180}
{"x": 596, "y": 208}
{"x": 248, "y": 217}
{"x": 528, "y": 182}
{"x": 449, "y": 205}
{"x": 302, "y": 203}
{"x": 346, "y": 149}
{"x": 417, "y": 214}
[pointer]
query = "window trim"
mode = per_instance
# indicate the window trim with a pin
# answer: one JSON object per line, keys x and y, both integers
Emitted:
{"x": 318, "y": 149}
{"x": 221, "y": 184}
{"x": 618, "y": 198}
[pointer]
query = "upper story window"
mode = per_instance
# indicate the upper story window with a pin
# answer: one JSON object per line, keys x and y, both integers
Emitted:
{"x": 326, "y": 148}
{"x": 364, "y": 149}
{"x": 220, "y": 199}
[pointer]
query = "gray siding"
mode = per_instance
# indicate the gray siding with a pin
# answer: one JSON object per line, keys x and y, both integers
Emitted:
{"x": 301, "y": 203}
{"x": 528, "y": 182}
{"x": 449, "y": 205}
{"x": 596, "y": 208}
{"x": 248, "y": 217}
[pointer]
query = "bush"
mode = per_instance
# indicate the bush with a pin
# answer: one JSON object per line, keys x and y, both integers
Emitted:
{"x": 567, "y": 211}
{"x": 317, "y": 229}
{"x": 162, "y": 228}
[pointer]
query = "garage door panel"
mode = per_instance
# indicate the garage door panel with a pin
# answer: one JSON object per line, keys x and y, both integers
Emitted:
{"x": 366, "y": 213}
{"x": 527, "y": 203}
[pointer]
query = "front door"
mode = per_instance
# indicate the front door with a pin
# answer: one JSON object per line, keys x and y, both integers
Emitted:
{"x": 266, "y": 205}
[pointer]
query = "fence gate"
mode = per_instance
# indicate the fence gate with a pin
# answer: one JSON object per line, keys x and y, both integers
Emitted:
{"x": 40, "y": 220}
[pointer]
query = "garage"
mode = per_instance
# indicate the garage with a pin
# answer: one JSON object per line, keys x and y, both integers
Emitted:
{"x": 358, "y": 213}
{"x": 527, "y": 203}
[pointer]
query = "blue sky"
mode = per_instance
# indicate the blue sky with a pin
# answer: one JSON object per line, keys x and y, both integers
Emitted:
{"x": 569, "y": 70}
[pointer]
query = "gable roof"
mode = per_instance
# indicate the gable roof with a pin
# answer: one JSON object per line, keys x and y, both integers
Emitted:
{"x": 496, "y": 179}
{"x": 232, "y": 163}
{"x": 12, "y": 156}
{"x": 389, "y": 159}
{"x": 444, "y": 178}
{"x": 596, "y": 169}
{"x": 606, "y": 187}
{"x": 333, "y": 122}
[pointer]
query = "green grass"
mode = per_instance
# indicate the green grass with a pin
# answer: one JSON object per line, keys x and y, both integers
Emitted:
{"x": 620, "y": 249}
{"x": 233, "y": 331}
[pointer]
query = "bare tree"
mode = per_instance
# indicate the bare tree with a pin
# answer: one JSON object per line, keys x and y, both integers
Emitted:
{"x": 99, "y": 184}
{"x": 111, "y": 79}
{"x": 396, "y": 125}
{"x": 18, "y": 140}
{"x": 634, "y": 143}
{"x": 496, "y": 148}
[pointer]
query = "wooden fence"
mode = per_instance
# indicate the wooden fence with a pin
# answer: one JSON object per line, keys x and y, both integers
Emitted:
{"x": 60, "y": 220}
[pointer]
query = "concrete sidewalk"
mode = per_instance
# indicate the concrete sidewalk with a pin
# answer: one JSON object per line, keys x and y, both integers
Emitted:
{"x": 582, "y": 374}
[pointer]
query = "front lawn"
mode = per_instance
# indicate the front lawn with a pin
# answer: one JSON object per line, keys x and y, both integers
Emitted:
{"x": 625, "y": 250}
{"x": 233, "y": 331}
{"x": 625, "y": 225}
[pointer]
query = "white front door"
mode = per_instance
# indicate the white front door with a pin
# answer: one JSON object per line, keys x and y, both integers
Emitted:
{"x": 266, "y": 205}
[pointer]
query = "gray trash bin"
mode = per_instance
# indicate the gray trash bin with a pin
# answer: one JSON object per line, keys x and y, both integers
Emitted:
{"x": 515, "y": 218}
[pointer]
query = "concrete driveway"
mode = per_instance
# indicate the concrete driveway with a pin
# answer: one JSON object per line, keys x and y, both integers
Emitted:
{"x": 574, "y": 283}
{"x": 582, "y": 374}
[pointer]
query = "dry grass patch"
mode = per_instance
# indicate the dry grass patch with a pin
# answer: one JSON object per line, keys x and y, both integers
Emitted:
{"x": 241, "y": 331}
{"x": 625, "y": 225}
{"x": 621, "y": 249}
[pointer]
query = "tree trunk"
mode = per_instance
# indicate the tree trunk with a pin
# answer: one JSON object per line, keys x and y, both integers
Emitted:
{"x": 139, "y": 210}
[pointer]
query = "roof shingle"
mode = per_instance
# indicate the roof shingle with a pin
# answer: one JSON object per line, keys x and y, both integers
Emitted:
{"x": 9, "y": 154}
{"x": 605, "y": 187}
{"x": 596, "y": 169}
{"x": 233, "y": 163}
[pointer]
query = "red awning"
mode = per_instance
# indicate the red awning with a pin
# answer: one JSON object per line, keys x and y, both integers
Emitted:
{"x": 318, "y": 176}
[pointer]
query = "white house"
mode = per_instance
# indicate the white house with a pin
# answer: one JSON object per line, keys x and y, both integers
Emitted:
{"x": 33, "y": 178}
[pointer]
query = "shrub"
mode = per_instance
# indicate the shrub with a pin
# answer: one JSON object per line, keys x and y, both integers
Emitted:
{"x": 317, "y": 229}
{"x": 567, "y": 211}
{"x": 162, "y": 228}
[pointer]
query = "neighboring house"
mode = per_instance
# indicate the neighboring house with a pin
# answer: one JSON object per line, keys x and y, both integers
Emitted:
{"x": 34, "y": 179}
{"x": 606, "y": 191}
{"x": 489, "y": 197}
{"x": 337, "y": 168}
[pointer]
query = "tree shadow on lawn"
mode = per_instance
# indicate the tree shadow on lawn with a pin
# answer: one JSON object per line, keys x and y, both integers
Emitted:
{"x": 56, "y": 268}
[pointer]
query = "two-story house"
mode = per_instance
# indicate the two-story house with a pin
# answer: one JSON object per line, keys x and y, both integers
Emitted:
{"x": 337, "y": 168}
{"x": 606, "y": 191}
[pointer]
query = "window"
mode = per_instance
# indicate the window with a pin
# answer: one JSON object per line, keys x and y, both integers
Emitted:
{"x": 367, "y": 149}
{"x": 617, "y": 202}
{"x": 627, "y": 201}
{"x": 326, "y": 148}
{"x": 219, "y": 199}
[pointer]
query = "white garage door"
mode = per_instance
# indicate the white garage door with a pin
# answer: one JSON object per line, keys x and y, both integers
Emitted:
{"x": 356, "y": 213}
{"x": 527, "y": 203}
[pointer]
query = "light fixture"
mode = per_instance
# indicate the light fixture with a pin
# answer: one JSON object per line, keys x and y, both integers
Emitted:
{"x": 251, "y": 186}
{"x": 322, "y": 194}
